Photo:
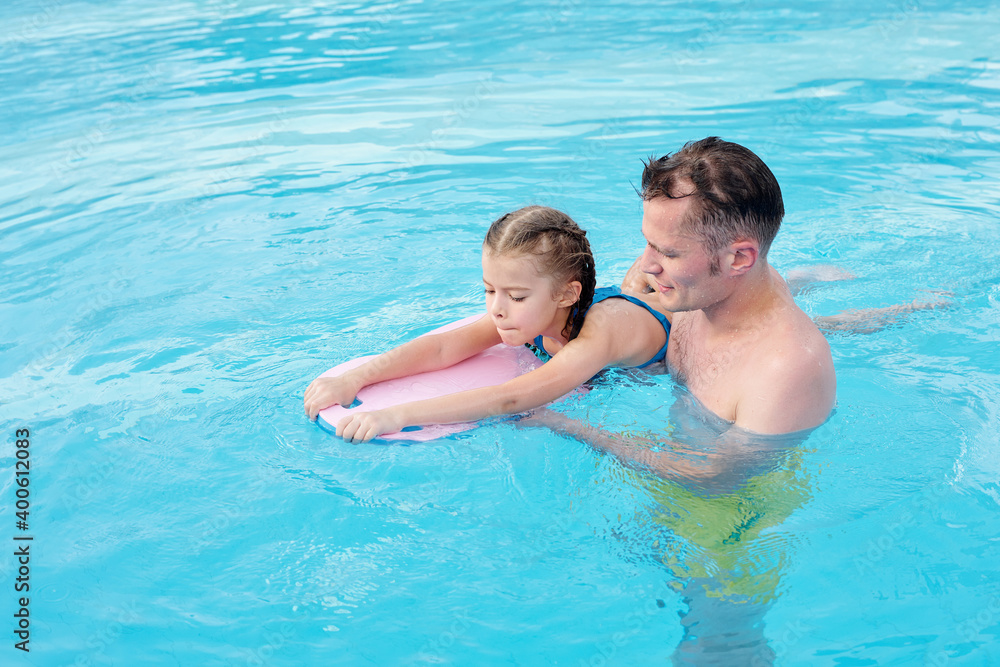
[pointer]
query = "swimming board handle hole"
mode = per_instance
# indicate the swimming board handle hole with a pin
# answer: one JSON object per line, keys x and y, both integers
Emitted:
{"x": 407, "y": 429}
{"x": 356, "y": 403}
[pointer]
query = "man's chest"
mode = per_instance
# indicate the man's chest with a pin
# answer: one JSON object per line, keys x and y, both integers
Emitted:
{"x": 712, "y": 373}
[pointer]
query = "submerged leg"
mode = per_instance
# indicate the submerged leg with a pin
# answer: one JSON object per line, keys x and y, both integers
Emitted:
{"x": 722, "y": 631}
{"x": 862, "y": 320}
{"x": 870, "y": 320}
{"x": 799, "y": 280}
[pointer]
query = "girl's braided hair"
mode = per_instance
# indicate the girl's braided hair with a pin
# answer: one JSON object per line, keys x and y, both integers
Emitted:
{"x": 557, "y": 243}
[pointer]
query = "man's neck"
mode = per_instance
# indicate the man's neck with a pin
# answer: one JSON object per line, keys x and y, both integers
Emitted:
{"x": 757, "y": 292}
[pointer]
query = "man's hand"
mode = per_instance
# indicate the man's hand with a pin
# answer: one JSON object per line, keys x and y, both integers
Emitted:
{"x": 660, "y": 456}
{"x": 546, "y": 418}
{"x": 363, "y": 426}
{"x": 636, "y": 281}
{"x": 324, "y": 392}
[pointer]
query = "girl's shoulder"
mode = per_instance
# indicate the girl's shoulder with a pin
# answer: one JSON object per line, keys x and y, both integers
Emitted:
{"x": 622, "y": 333}
{"x": 612, "y": 299}
{"x": 621, "y": 314}
{"x": 616, "y": 305}
{"x": 613, "y": 315}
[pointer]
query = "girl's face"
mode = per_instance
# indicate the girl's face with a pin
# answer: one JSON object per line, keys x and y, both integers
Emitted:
{"x": 522, "y": 302}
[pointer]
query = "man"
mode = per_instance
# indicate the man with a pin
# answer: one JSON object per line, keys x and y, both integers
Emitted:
{"x": 748, "y": 354}
{"x": 737, "y": 341}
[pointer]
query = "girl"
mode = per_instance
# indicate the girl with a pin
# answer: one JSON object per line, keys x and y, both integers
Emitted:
{"x": 538, "y": 272}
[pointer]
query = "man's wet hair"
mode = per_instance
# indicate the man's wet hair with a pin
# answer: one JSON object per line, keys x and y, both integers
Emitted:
{"x": 734, "y": 194}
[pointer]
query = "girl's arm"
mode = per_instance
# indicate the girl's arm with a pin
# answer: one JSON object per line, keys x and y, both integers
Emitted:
{"x": 424, "y": 353}
{"x": 616, "y": 333}
{"x": 563, "y": 373}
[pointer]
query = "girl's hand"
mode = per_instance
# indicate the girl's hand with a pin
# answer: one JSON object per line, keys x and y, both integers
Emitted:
{"x": 324, "y": 392}
{"x": 363, "y": 426}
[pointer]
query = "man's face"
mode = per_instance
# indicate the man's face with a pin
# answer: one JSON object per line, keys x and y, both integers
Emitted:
{"x": 676, "y": 259}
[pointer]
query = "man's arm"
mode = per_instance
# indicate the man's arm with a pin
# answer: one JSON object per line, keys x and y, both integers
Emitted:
{"x": 660, "y": 456}
{"x": 855, "y": 321}
{"x": 724, "y": 462}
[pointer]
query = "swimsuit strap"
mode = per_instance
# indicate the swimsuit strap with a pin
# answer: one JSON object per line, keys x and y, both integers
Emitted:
{"x": 538, "y": 349}
{"x": 614, "y": 293}
{"x": 602, "y": 293}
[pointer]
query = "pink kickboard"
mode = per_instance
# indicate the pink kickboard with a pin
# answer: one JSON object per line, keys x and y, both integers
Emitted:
{"x": 490, "y": 367}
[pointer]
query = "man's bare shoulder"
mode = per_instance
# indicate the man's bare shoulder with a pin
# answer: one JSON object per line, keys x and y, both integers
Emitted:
{"x": 790, "y": 342}
{"x": 791, "y": 383}
{"x": 796, "y": 329}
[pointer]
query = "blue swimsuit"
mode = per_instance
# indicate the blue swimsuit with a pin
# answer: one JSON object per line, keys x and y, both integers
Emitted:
{"x": 602, "y": 293}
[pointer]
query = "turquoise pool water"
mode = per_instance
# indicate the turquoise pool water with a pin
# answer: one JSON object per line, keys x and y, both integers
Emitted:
{"x": 204, "y": 205}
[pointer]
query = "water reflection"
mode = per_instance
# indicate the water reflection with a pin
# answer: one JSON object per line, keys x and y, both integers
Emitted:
{"x": 722, "y": 539}
{"x": 717, "y": 500}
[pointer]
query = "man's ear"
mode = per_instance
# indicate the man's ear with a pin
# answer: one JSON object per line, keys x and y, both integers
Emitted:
{"x": 570, "y": 294}
{"x": 743, "y": 255}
